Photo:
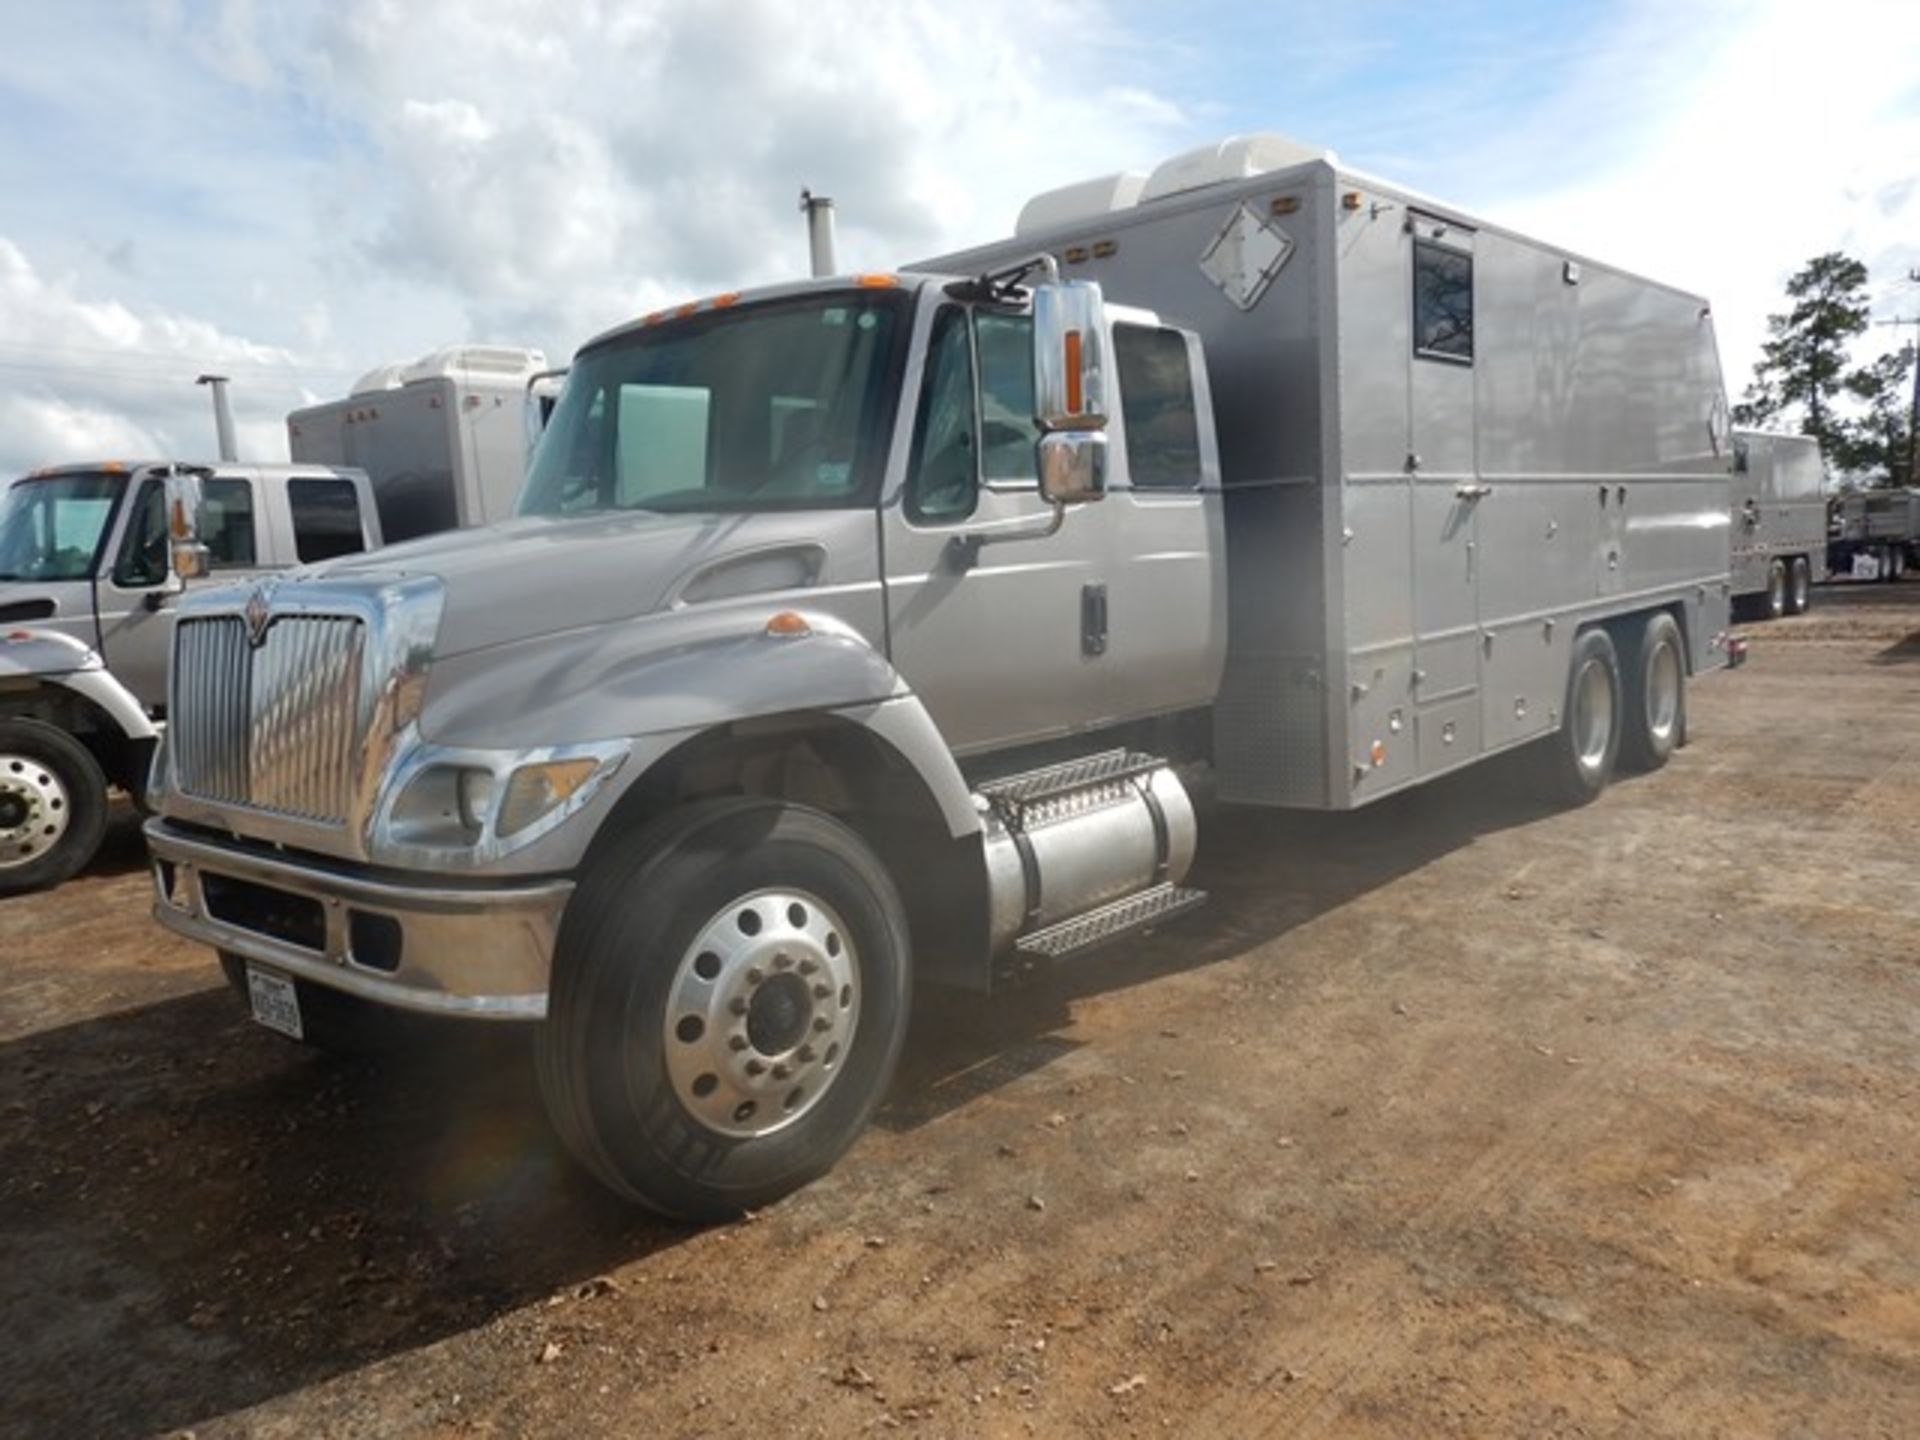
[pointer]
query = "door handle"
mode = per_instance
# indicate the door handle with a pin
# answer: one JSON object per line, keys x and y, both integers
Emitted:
{"x": 1472, "y": 492}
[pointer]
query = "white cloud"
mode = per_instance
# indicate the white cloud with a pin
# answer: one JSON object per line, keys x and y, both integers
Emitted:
{"x": 1755, "y": 136}
{"x": 88, "y": 378}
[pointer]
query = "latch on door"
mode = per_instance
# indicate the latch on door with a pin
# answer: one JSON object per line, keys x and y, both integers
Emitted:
{"x": 1093, "y": 619}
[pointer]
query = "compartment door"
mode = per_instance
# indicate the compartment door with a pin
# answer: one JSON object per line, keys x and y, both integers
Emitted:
{"x": 1447, "y": 493}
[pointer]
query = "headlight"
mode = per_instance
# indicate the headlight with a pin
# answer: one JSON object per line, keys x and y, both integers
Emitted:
{"x": 468, "y": 806}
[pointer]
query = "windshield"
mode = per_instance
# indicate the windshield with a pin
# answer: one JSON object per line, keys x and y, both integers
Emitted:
{"x": 777, "y": 406}
{"x": 51, "y": 527}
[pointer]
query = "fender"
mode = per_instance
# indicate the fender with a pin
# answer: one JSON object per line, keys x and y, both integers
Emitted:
{"x": 30, "y": 658}
{"x": 665, "y": 679}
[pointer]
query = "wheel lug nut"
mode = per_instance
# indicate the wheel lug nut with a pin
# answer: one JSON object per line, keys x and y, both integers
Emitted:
{"x": 821, "y": 1024}
{"x": 754, "y": 1067}
{"x": 781, "y": 1072}
{"x": 738, "y": 1005}
{"x": 737, "y": 1042}
{"x": 807, "y": 967}
{"x": 821, "y": 992}
{"x": 755, "y": 975}
{"x": 804, "y": 1053}
{"x": 783, "y": 962}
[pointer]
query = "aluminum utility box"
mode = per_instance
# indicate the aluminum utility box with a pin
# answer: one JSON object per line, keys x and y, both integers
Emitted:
{"x": 1446, "y": 448}
{"x": 1777, "y": 509}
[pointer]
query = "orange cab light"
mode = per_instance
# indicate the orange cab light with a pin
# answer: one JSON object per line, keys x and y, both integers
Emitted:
{"x": 876, "y": 282}
{"x": 1073, "y": 372}
{"x": 687, "y": 309}
{"x": 731, "y": 297}
{"x": 115, "y": 467}
{"x": 654, "y": 317}
{"x": 789, "y": 624}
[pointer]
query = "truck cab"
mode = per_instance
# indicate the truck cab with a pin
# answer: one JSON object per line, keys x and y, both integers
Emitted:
{"x": 85, "y": 557}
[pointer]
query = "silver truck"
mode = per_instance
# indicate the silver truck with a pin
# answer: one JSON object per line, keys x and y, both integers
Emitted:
{"x": 1779, "y": 521}
{"x": 88, "y": 598}
{"x": 870, "y": 635}
{"x": 443, "y": 438}
{"x": 1874, "y": 534}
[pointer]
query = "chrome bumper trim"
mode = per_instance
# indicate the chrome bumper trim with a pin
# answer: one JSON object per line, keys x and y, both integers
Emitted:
{"x": 480, "y": 953}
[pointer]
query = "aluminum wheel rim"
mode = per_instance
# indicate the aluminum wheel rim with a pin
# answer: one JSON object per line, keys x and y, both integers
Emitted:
{"x": 1801, "y": 582}
{"x": 762, "y": 1012}
{"x": 1592, "y": 716}
{"x": 35, "y": 810}
{"x": 1663, "y": 693}
{"x": 1777, "y": 592}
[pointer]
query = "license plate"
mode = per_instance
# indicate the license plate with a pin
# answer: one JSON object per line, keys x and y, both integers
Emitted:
{"x": 276, "y": 1004}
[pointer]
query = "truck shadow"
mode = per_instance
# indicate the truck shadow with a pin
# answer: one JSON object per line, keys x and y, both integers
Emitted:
{"x": 196, "y": 1216}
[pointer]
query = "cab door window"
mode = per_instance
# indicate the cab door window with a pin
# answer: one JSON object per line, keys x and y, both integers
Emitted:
{"x": 942, "y": 478}
{"x": 326, "y": 519}
{"x": 226, "y": 523}
{"x": 143, "y": 553}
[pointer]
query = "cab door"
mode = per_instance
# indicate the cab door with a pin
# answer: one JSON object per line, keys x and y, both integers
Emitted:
{"x": 136, "y": 603}
{"x": 1447, "y": 494}
{"x": 1002, "y": 641}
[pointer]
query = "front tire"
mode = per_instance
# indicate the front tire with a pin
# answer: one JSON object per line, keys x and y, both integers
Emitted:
{"x": 1656, "y": 691}
{"x": 1574, "y": 764}
{"x": 729, "y": 999}
{"x": 53, "y": 806}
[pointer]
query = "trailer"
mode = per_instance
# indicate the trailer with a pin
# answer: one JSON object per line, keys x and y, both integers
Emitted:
{"x": 874, "y": 634}
{"x": 1874, "y": 534}
{"x": 1779, "y": 521}
{"x": 444, "y": 437}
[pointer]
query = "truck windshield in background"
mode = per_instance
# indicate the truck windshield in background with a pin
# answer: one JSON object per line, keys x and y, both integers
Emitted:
{"x": 784, "y": 405}
{"x": 51, "y": 526}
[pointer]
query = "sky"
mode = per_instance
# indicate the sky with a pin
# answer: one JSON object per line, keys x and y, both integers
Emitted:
{"x": 292, "y": 192}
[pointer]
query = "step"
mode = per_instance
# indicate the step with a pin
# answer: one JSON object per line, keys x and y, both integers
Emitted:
{"x": 1014, "y": 793}
{"x": 1080, "y": 933}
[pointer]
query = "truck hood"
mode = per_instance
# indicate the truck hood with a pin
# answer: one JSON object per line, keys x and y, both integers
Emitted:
{"x": 541, "y": 575}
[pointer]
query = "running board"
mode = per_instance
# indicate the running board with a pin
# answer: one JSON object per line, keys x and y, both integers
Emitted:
{"x": 1013, "y": 794}
{"x": 1089, "y": 931}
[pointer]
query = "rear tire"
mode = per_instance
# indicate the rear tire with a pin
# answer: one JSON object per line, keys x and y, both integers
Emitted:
{"x": 1776, "y": 589}
{"x": 1656, "y": 695}
{"x": 53, "y": 805}
{"x": 1897, "y": 562}
{"x": 333, "y": 1020}
{"x": 729, "y": 999}
{"x": 1574, "y": 764}
{"x": 1799, "y": 586}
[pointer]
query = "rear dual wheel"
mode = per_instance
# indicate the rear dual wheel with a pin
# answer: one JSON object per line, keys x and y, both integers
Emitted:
{"x": 1624, "y": 706}
{"x": 1799, "y": 586}
{"x": 728, "y": 1002}
{"x": 1776, "y": 589}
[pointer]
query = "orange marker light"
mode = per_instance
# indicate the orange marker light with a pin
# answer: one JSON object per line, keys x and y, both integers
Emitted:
{"x": 721, "y": 302}
{"x": 788, "y": 625}
{"x": 1074, "y": 395}
{"x": 875, "y": 282}
{"x": 1379, "y": 753}
{"x": 687, "y": 309}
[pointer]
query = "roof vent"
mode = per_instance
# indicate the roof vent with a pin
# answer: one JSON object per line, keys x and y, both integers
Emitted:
{"x": 1238, "y": 157}
{"x": 1081, "y": 200}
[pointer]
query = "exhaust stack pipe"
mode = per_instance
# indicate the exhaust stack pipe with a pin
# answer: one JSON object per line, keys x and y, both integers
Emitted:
{"x": 222, "y": 416}
{"x": 819, "y": 212}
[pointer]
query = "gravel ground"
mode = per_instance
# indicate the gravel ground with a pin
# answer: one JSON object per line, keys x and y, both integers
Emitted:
{"x": 1450, "y": 1117}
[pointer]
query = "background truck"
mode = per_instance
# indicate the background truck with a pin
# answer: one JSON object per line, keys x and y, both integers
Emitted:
{"x": 873, "y": 634}
{"x": 1779, "y": 521}
{"x": 87, "y": 603}
{"x": 1874, "y": 534}
{"x": 444, "y": 438}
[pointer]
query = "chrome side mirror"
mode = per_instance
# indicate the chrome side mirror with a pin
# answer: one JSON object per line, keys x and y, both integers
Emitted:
{"x": 1069, "y": 357}
{"x": 188, "y": 557}
{"x": 1073, "y": 466}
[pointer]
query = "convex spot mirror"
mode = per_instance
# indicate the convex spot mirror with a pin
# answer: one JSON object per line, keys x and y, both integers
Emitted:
{"x": 1070, "y": 390}
{"x": 185, "y": 550}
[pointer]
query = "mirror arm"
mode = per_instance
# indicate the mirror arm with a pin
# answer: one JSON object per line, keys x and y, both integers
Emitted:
{"x": 963, "y": 550}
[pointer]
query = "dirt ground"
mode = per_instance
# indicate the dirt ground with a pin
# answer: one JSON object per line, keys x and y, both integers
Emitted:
{"x": 1451, "y": 1117}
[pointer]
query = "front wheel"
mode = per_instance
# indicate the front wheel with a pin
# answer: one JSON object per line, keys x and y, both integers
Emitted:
{"x": 728, "y": 1002}
{"x": 53, "y": 805}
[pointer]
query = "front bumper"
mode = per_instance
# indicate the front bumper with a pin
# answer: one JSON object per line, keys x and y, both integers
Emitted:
{"x": 481, "y": 952}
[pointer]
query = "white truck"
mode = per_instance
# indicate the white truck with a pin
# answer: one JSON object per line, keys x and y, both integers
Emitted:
{"x": 868, "y": 635}
{"x": 444, "y": 438}
{"x": 1874, "y": 534}
{"x": 88, "y": 596}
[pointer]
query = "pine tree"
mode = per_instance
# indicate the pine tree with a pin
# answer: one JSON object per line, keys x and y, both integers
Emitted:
{"x": 1803, "y": 362}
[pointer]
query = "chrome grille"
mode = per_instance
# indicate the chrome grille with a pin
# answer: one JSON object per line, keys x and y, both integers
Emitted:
{"x": 274, "y": 727}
